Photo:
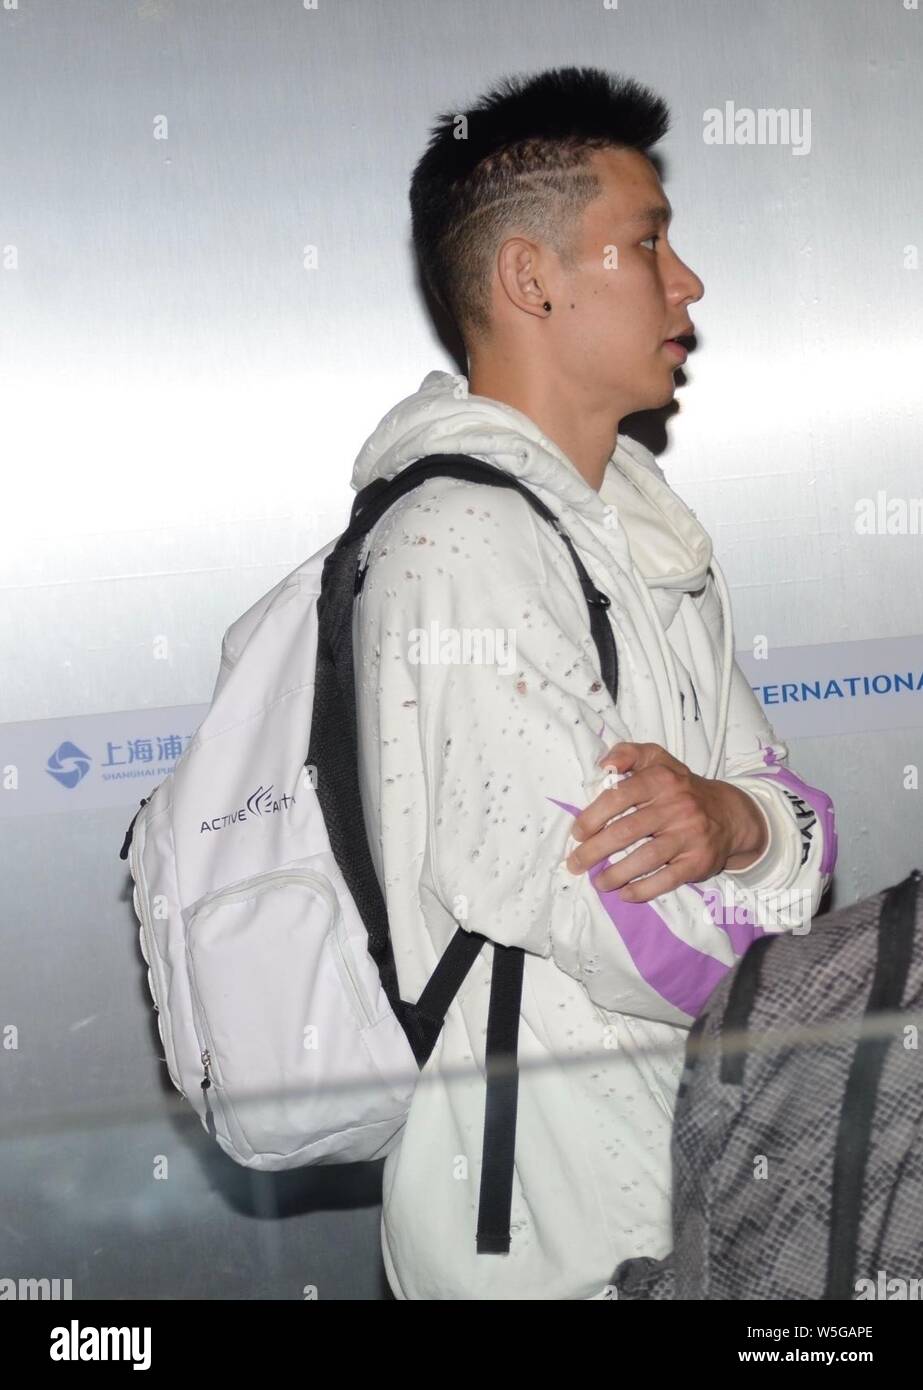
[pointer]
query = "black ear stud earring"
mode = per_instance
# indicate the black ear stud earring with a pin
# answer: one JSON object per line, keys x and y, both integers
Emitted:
{"x": 547, "y": 307}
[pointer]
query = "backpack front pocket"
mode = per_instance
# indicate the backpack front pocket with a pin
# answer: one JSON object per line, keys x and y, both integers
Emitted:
{"x": 281, "y": 1014}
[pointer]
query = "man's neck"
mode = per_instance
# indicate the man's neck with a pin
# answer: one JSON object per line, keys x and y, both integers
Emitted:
{"x": 586, "y": 436}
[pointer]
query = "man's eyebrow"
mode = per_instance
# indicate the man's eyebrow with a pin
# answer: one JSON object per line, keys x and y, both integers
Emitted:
{"x": 659, "y": 213}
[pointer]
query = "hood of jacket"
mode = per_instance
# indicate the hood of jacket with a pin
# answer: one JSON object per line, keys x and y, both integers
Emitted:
{"x": 670, "y": 552}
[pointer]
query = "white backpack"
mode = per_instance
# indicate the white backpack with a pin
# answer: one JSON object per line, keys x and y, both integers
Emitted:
{"x": 263, "y": 924}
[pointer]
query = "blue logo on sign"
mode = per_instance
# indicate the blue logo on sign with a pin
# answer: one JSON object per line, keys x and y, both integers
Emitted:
{"x": 68, "y": 764}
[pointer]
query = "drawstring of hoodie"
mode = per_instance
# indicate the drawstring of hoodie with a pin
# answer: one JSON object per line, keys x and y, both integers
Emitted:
{"x": 727, "y": 664}
{"x": 727, "y": 659}
{"x": 679, "y": 737}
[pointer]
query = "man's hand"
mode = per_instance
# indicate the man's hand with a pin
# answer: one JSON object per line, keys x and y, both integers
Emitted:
{"x": 699, "y": 826}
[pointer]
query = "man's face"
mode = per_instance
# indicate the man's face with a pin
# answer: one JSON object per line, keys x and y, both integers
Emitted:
{"x": 610, "y": 344}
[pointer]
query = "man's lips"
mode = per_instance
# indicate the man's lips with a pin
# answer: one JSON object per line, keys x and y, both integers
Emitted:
{"x": 676, "y": 349}
{"x": 678, "y": 346}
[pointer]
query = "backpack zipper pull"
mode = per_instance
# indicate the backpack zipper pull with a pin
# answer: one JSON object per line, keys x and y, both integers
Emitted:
{"x": 123, "y": 852}
{"x": 206, "y": 1084}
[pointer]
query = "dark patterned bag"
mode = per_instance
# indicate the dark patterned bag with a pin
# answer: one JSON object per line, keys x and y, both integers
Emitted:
{"x": 798, "y": 1134}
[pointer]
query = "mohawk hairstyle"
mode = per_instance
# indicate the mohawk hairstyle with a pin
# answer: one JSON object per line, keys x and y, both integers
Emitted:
{"x": 518, "y": 161}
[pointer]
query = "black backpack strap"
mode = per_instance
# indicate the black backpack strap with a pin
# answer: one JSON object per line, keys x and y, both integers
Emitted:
{"x": 499, "y": 1143}
{"x": 740, "y": 1000}
{"x": 373, "y": 501}
{"x": 896, "y": 927}
{"x": 333, "y": 759}
{"x": 333, "y": 754}
{"x": 496, "y": 1195}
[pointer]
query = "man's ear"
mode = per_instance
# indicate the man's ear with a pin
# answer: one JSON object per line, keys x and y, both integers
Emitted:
{"x": 519, "y": 271}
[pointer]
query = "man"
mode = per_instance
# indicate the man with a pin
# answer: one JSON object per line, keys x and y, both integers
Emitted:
{"x": 544, "y": 231}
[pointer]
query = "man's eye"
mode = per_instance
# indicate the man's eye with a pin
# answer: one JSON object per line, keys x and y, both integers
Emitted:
{"x": 650, "y": 238}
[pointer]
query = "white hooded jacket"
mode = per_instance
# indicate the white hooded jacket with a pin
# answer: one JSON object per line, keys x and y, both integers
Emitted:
{"x": 473, "y": 762}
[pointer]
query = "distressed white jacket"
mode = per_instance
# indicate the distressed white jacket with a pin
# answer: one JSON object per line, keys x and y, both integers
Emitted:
{"x": 474, "y": 759}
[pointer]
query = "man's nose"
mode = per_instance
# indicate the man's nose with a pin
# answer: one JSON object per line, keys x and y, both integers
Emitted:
{"x": 694, "y": 289}
{"x": 686, "y": 285}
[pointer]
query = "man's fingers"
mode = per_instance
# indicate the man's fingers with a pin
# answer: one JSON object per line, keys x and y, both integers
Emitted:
{"x": 611, "y": 838}
{"x": 612, "y": 801}
{"x": 654, "y": 855}
{"x": 663, "y": 881}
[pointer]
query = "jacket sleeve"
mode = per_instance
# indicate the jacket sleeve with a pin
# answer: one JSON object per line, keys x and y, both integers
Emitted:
{"x": 483, "y": 714}
{"x": 797, "y": 863}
